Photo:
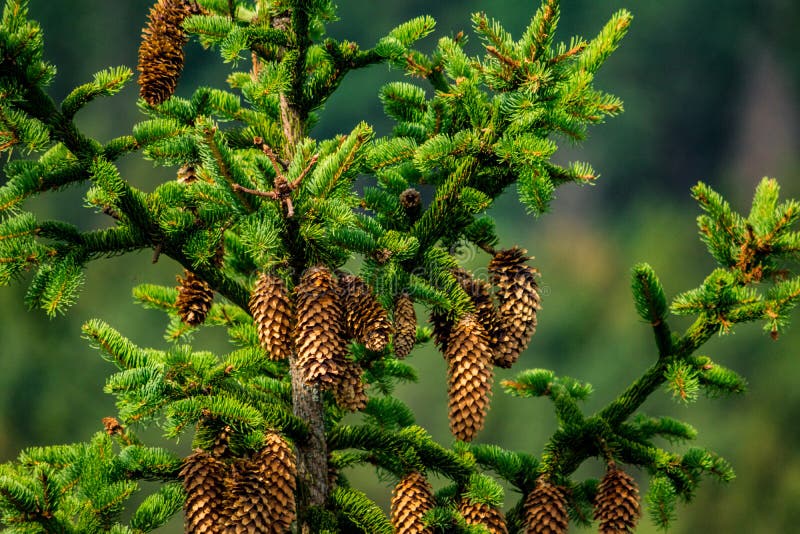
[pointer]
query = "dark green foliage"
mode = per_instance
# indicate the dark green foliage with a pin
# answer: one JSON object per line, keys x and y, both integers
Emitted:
{"x": 263, "y": 196}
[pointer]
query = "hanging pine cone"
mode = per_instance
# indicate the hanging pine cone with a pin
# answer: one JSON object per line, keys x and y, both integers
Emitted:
{"x": 405, "y": 326}
{"x": 469, "y": 377}
{"x": 365, "y": 318}
{"x": 274, "y": 316}
{"x": 194, "y": 299}
{"x": 204, "y": 482}
{"x": 318, "y": 336}
{"x": 480, "y": 292}
{"x": 483, "y": 514}
{"x": 349, "y": 391}
{"x": 442, "y": 327}
{"x": 519, "y": 301}
{"x": 161, "y": 51}
{"x": 617, "y": 506}
{"x": 546, "y": 510}
{"x": 411, "y": 499}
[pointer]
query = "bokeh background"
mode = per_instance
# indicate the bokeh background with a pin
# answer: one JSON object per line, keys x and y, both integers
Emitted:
{"x": 712, "y": 93}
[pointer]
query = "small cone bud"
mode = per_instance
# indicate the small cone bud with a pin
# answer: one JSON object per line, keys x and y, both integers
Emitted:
{"x": 617, "y": 505}
{"x": 319, "y": 336}
{"x": 194, "y": 299}
{"x": 274, "y": 316}
{"x": 204, "y": 482}
{"x": 405, "y": 326}
{"x": 469, "y": 377}
{"x": 545, "y": 510}
{"x": 483, "y": 514}
{"x": 161, "y": 53}
{"x": 519, "y": 302}
{"x": 411, "y": 499}
{"x": 365, "y": 318}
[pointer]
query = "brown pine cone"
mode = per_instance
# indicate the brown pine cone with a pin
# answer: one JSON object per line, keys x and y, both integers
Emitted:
{"x": 349, "y": 391}
{"x": 483, "y": 514}
{"x": 519, "y": 302}
{"x": 545, "y": 510}
{"x": 442, "y": 327}
{"x": 161, "y": 53}
{"x": 405, "y": 326}
{"x": 480, "y": 292}
{"x": 319, "y": 336}
{"x": 194, "y": 299}
{"x": 469, "y": 379}
{"x": 364, "y": 317}
{"x": 205, "y": 508}
{"x": 411, "y": 499}
{"x": 273, "y": 313}
{"x": 616, "y": 505}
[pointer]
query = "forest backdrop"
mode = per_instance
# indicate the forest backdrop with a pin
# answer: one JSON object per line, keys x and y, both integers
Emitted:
{"x": 711, "y": 91}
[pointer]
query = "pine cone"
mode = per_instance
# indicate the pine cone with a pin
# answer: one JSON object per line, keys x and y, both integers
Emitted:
{"x": 411, "y": 499}
{"x": 365, "y": 319}
{"x": 546, "y": 510}
{"x": 204, "y": 482}
{"x": 469, "y": 379}
{"x": 349, "y": 391}
{"x": 617, "y": 503}
{"x": 274, "y": 316}
{"x": 519, "y": 302}
{"x": 194, "y": 299}
{"x": 442, "y": 327}
{"x": 483, "y": 514}
{"x": 405, "y": 326}
{"x": 318, "y": 336}
{"x": 480, "y": 292}
{"x": 161, "y": 51}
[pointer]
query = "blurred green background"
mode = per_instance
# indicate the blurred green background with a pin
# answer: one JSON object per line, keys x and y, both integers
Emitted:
{"x": 712, "y": 92}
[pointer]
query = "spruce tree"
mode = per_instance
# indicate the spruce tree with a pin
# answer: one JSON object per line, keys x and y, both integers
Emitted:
{"x": 260, "y": 220}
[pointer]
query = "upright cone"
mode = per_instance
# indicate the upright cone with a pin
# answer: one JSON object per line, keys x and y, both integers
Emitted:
{"x": 161, "y": 53}
{"x": 411, "y": 499}
{"x": 519, "y": 302}
{"x": 405, "y": 326}
{"x": 545, "y": 510}
{"x": 274, "y": 316}
{"x": 365, "y": 318}
{"x": 469, "y": 377}
{"x": 205, "y": 508}
{"x": 194, "y": 299}
{"x": 483, "y": 514}
{"x": 617, "y": 505}
{"x": 319, "y": 336}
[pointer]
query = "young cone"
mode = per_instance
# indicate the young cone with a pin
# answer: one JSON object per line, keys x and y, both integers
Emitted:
{"x": 194, "y": 299}
{"x": 273, "y": 314}
{"x": 519, "y": 301}
{"x": 318, "y": 336}
{"x": 617, "y": 506}
{"x": 411, "y": 499}
{"x": 545, "y": 510}
{"x": 161, "y": 51}
{"x": 204, "y": 482}
{"x": 365, "y": 319}
{"x": 483, "y": 514}
{"x": 469, "y": 379}
{"x": 405, "y": 326}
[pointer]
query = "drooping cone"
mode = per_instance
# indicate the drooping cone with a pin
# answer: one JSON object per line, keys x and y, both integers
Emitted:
{"x": 480, "y": 291}
{"x": 194, "y": 299}
{"x": 617, "y": 505}
{"x": 365, "y": 319}
{"x": 319, "y": 336}
{"x": 204, "y": 482}
{"x": 546, "y": 510}
{"x": 161, "y": 51}
{"x": 280, "y": 470}
{"x": 273, "y": 314}
{"x": 442, "y": 327}
{"x": 411, "y": 499}
{"x": 405, "y": 326}
{"x": 469, "y": 377}
{"x": 349, "y": 391}
{"x": 518, "y": 298}
{"x": 483, "y": 514}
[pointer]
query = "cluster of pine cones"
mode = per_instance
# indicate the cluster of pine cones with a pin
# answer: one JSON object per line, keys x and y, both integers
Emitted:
{"x": 254, "y": 495}
{"x": 495, "y": 334}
